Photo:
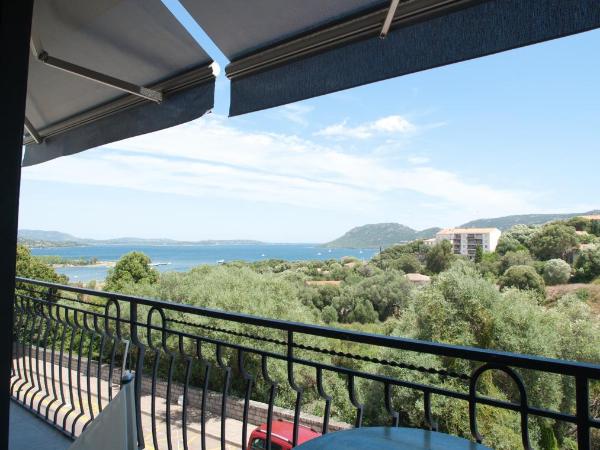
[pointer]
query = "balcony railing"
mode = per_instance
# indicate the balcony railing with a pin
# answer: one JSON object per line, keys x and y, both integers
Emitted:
{"x": 195, "y": 365}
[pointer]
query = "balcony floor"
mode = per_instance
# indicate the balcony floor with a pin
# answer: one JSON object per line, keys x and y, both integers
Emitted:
{"x": 27, "y": 432}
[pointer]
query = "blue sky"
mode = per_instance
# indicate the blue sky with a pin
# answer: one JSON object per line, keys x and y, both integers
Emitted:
{"x": 512, "y": 133}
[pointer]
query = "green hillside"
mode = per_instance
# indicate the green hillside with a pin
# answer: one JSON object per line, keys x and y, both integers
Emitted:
{"x": 504, "y": 223}
{"x": 380, "y": 235}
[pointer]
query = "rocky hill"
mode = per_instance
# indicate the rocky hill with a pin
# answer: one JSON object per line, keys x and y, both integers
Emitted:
{"x": 380, "y": 235}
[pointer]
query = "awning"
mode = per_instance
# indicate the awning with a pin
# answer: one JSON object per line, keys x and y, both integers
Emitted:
{"x": 283, "y": 51}
{"x": 106, "y": 70}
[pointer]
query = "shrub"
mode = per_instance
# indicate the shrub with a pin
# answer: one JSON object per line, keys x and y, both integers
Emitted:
{"x": 523, "y": 277}
{"x": 554, "y": 240}
{"x": 556, "y": 271}
{"x": 440, "y": 257}
{"x": 29, "y": 266}
{"x": 386, "y": 293}
{"x": 329, "y": 314}
{"x": 132, "y": 268}
{"x": 587, "y": 265}
{"x": 516, "y": 258}
{"x": 407, "y": 263}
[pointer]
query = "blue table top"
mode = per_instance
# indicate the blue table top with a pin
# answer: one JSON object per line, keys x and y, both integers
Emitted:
{"x": 381, "y": 438}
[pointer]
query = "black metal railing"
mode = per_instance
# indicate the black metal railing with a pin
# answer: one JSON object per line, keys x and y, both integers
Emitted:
{"x": 196, "y": 366}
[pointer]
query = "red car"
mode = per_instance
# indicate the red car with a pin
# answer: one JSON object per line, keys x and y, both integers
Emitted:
{"x": 282, "y": 435}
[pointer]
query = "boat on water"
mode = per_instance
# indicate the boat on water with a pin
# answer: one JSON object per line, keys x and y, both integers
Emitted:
{"x": 159, "y": 264}
{"x": 221, "y": 261}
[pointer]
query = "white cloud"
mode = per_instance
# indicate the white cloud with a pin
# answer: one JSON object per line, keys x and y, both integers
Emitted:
{"x": 418, "y": 160}
{"x": 210, "y": 157}
{"x": 295, "y": 113}
{"x": 394, "y": 124}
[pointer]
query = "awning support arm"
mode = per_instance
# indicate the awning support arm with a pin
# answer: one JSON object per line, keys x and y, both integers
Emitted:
{"x": 107, "y": 80}
{"x": 387, "y": 23}
{"x": 32, "y": 131}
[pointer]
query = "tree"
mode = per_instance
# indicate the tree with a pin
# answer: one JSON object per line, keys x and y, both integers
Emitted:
{"x": 556, "y": 271}
{"x": 329, "y": 314}
{"x": 440, "y": 257}
{"x": 518, "y": 258}
{"x": 523, "y": 277}
{"x": 579, "y": 223}
{"x": 29, "y": 266}
{"x": 554, "y": 240}
{"x": 132, "y": 268}
{"x": 587, "y": 265}
{"x": 508, "y": 244}
{"x": 386, "y": 293}
{"x": 479, "y": 254}
{"x": 407, "y": 263}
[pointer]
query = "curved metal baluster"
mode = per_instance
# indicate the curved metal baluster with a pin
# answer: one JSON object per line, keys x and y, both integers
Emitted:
{"x": 79, "y": 352}
{"x": 226, "y": 382}
{"x": 272, "y": 394}
{"x": 99, "y": 363}
{"x": 184, "y": 406}
{"x": 207, "y": 367}
{"x": 63, "y": 400}
{"x": 116, "y": 338}
{"x": 169, "y": 384}
{"x": 31, "y": 381}
{"x": 88, "y": 369}
{"x": 524, "y": 406}
{"x": 30, "y": 317}
{"x": 41, "y": 342}
{"x": 359, "y": 406}
{"x": 249, "y": 381}
{"x": 53, "y": 361}
{"x": 21, "y": 320}
{"x": 52, "y": 339}
{"x": 70, "y": 366}
{"x": 388, "y": 405}
{"x": 139, "y": 365}
{"x": 428, "y": 418}
{"x": 327, "y": 398}
{"x": 155, "y": 365}
{"x": 292, "y": 382}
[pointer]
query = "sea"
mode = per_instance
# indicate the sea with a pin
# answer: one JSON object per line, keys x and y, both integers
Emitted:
{"x": 182, "y": 258}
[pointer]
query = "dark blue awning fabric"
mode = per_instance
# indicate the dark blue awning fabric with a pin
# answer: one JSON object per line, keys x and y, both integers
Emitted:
{"x": 177, "y": 108}
{"x": 479, "y": 30}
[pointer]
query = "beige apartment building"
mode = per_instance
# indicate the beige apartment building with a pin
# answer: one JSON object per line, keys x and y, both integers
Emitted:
{"x": 466, "y": 240}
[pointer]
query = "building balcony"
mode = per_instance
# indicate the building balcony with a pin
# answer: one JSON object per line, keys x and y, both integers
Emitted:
{"x": 206, "y": 378}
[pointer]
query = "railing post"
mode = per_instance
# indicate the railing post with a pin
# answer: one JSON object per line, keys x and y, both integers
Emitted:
{"x": 139, "y": 364}
{"x": 582, "y": 398}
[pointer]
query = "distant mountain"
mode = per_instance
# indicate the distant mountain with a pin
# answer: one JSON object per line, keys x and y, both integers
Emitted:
{"x": 43, "y": 238}
{"x": 43, "y": 235}
{"x": 380, "y": 235}
{"x": 504, "y": 223}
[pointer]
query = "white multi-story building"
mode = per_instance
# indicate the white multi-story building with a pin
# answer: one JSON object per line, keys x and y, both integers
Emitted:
{"x": 466, "y": 240}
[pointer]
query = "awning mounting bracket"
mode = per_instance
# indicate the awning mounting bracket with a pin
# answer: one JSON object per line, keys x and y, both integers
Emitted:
{"x": 32, "y": 131}
{"x": 107, "y": 80}
{"x": 387, "y": 23}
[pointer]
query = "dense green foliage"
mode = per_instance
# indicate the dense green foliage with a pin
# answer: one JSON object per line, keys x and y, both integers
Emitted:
{"x": 440, "y": 257}
{"x": 459, "y": 307}
{"x": 587, "y": 265}
{"x": 556, "y": 271}
{"x": 554, "y": 240}
{"x": 507, "y": 222}
{"x": 495, "y": 302}
{"x": 132, "y": 268}
{"x": 523, "y": 277}
{"x": 29, "y": 266}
